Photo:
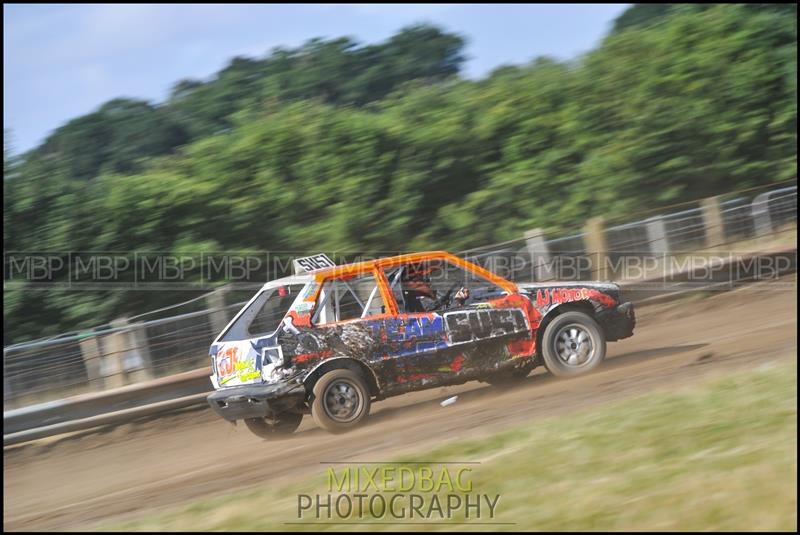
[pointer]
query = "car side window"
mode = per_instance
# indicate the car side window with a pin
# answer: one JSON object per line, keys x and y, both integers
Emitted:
{"x": 273, "y": 311}
{"x": 437, "y": 286}
{"x": 345, "y": 299}
{"x": 264, "y": 314}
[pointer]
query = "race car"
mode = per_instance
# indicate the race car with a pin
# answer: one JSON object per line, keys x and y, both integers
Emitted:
{"x": 330, "y": 340}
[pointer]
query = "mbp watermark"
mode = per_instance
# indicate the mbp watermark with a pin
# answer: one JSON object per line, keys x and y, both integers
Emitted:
{"x": 399, "y": 493}
{"x": 204, "y": 270}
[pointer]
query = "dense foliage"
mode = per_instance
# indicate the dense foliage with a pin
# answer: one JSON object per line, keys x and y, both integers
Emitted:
{"x": 384, "y": 147}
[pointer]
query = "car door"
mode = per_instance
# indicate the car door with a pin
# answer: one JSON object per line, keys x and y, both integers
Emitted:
{"x": 347, "y": 318}
{"x": 417, "y": 339}
{"x": 469, "y": 325}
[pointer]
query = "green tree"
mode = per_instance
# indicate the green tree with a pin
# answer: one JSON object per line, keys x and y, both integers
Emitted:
{"x": 335, "y": 146}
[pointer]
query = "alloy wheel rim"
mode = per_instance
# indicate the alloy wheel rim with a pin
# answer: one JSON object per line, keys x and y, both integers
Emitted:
{"x": 573, "y": 345}
{"x": 342, "y": 401}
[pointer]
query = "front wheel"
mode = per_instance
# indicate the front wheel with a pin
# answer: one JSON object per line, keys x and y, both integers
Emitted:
{"x": 283, "y": 425}
{"x": 573, "y": 344}
{"x": 341, "y": 400}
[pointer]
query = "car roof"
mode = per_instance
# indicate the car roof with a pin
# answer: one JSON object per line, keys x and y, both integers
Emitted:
{"x": 387, "y": 261}
{"x": 393, "y": 261}
{"x": 304, "y": 278}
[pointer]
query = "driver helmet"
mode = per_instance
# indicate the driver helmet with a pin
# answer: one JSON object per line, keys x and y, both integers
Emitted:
{"x": 415, "y": 277}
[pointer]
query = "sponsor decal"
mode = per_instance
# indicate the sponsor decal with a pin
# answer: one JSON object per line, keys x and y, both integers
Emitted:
{"x": 231, "y": 364}
{"x": 556, "y": 296}
{"x": 469, "y": 325}
{"x": 226, "y": 363}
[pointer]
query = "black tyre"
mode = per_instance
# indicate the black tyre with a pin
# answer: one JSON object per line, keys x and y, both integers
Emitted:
{"x": 285, "y": 424}
{"x": 572, "y": 344}
{"x": 341, "y": 400}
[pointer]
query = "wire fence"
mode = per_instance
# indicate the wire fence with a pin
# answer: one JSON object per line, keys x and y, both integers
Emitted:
{"x": 147, "y": 347}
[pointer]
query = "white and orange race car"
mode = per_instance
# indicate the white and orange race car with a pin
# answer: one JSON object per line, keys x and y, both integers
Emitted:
{"x": 331, "y": 340}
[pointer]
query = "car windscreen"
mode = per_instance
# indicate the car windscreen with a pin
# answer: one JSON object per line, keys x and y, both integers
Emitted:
{"x": 264, "y": 314}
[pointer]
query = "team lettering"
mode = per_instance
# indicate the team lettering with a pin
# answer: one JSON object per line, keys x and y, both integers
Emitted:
{"x": 557, "y": 296}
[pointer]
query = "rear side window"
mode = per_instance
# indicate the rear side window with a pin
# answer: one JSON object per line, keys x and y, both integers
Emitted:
{"x": 347, "y": 299}
{"x": 264, "y": 314}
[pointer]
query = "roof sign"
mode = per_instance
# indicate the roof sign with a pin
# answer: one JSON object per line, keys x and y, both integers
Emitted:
{"x": 309, "y": 264}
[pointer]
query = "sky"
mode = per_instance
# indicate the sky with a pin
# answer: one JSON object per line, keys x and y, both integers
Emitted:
{"x": 63, "y": 61}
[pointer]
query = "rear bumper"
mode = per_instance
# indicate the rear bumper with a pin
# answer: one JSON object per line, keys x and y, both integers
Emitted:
{"x": 256, "y": 401}
{"x": 618, "y": 322}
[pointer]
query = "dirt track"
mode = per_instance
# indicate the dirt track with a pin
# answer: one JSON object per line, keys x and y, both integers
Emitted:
{"x": 74, "y": 482}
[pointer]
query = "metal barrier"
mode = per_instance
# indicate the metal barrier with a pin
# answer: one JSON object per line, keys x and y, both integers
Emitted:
{"x": 111, "y": 357}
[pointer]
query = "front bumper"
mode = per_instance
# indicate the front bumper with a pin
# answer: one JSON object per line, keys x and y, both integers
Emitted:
{"x": 618, "y": 322}
{"x": 257, "y": 401}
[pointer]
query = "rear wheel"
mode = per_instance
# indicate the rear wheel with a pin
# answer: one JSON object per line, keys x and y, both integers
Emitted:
{"x": 282, "y": 425}
{"x": 573, "y": 344}
{"x": 341, "y": 400}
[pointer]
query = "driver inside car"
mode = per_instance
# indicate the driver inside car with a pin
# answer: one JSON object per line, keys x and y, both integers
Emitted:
{"x": 420, "y": 296}
{"x": 416, "y": 284}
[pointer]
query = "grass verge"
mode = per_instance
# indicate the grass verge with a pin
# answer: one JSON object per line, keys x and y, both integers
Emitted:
{"x": 719, "y": 455}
